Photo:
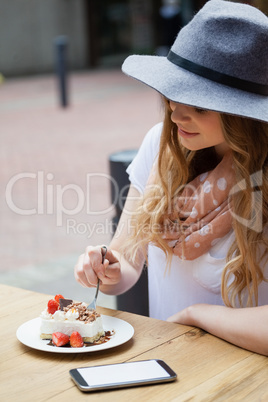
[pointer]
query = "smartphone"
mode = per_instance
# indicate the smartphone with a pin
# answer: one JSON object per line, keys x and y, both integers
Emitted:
{"x": 129, "y": 374}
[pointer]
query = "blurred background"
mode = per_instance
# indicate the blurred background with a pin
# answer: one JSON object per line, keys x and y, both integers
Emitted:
{"x": 65, "y": 110}
{"x": 100, "y": 33}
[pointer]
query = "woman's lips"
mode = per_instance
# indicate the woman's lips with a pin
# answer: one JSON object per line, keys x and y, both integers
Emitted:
{"x": 185, "y": 134}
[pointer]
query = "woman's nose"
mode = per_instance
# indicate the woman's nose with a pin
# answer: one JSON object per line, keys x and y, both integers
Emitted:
{"x": 180, "y": 113}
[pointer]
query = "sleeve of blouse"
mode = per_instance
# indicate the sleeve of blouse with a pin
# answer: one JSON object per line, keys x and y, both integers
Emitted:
{"x": 139, "y": 169}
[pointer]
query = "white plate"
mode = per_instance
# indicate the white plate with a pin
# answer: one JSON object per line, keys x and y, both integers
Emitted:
{"x": 29, "y": 334}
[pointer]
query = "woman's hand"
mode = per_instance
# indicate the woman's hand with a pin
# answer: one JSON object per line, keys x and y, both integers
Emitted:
{"x": 244, "y": 327}
{"x": 182, "y": 317}
{"x": 89, "y": 268}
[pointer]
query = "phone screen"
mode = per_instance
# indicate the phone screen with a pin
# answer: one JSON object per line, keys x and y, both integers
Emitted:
{"x": 122, "y": 374}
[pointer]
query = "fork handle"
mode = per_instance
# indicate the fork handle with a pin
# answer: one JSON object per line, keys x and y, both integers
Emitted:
{"x": 103, "y": 252}
{"x": 97, "y": 289}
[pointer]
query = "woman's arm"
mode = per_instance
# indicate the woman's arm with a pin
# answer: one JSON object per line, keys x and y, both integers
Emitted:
{"x": 117, "y": 275}
{"x": 244, "y": 327}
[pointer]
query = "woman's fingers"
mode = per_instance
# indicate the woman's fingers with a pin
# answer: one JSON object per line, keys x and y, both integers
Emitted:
{"x": 79, "y": 272}
{"x": 90, "y": 267}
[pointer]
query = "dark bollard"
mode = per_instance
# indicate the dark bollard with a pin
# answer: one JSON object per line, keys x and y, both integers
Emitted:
{"x": 134, "y": 300}
{"x": 61, "y": 43}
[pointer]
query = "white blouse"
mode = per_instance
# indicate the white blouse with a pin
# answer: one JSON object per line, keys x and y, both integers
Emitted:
{"x": 187, "y": 282}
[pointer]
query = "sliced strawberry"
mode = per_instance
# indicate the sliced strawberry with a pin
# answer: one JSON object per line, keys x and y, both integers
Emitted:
{"x": 52, "y": 306}
{"x": 60, "y": 339}
{"x": 76, "y": 340}
{"x": 58, "y": 297}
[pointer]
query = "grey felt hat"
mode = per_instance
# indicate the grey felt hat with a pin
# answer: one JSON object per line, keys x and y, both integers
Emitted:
{"x": 219, "y": 61}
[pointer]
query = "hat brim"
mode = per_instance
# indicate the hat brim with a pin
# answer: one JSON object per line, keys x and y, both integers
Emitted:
{"x": 185, "y": 87}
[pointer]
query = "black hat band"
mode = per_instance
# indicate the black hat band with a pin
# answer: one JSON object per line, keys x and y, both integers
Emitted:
{"x": 225, "y": 79}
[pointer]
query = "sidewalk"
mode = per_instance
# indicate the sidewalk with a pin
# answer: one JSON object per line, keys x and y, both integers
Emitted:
{"x": 54, "y": 180}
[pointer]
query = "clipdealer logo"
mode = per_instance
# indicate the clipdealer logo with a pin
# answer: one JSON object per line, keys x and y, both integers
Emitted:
{"x": 51, "y": 198}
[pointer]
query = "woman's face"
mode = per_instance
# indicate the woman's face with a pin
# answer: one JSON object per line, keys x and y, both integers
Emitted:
{"x": 198, "y": 128}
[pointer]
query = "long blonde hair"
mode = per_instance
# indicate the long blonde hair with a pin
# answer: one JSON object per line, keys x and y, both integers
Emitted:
{"x": 248, "y": 141}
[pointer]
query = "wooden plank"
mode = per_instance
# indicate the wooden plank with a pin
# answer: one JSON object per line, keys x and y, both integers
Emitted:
{"x": 34, "y": 369}
{"x": 245, "y": 381}
{"x": 196, "y": 358}
{"x": 217, "y": 372}
{"x": 208, "y": 368}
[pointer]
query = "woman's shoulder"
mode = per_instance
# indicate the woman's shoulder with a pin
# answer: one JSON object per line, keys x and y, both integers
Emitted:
{"x": 141, "y": 166}
{"x": 152, "y": 138}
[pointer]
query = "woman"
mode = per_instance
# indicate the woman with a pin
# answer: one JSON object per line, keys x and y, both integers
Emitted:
{"x": 197, "y": 205}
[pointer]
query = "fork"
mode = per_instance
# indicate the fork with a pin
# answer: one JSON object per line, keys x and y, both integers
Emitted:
{"x": 92, "y": 305}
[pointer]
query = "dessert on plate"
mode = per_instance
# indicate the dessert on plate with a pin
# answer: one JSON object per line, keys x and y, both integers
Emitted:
{"x": 66, "y": 317}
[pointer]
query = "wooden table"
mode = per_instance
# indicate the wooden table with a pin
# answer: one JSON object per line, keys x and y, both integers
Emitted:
{"x": 208, "y": 368}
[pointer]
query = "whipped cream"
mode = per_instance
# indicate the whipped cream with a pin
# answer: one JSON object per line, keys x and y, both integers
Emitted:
{"x": 59, "y": 315}
{"x": 71, "y": 314}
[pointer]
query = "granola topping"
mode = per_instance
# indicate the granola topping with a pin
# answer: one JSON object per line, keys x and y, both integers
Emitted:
{"x": 84, "y": 314}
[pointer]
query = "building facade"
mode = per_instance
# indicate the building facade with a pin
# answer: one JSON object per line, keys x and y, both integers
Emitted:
{"x": 100, "y": 33}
